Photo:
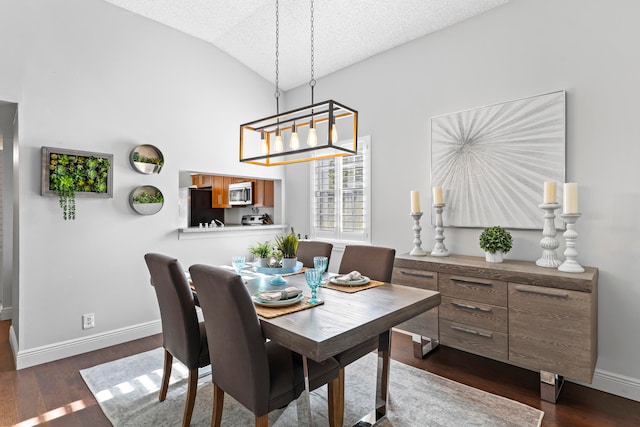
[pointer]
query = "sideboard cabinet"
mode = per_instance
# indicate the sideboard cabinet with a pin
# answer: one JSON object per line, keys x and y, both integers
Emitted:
{"x": 515, "y": 312}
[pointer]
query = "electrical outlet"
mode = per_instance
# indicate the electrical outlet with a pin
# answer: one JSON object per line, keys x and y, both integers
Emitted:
{"x": 88, "y": 321}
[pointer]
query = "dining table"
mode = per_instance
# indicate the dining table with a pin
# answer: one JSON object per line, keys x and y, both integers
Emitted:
{"x": 344, "y": 319}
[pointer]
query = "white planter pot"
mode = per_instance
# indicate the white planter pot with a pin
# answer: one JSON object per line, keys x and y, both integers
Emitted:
{"x": 498, "y": 256}
{"x": 262, "y": 262}
{"x": 144, "y": 167}
{"x": 289, "y": 262}
{"x": 147, "y": 208}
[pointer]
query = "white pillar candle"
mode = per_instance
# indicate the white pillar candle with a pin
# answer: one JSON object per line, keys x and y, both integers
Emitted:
{"x": 437, "y": 196}
{"x": 570, "y": 198}
{"x": 549, "y": 192}
{"x": 415, "y": 202}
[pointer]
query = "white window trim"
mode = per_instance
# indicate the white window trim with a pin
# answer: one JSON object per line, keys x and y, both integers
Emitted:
{"x": 364, "y": 142}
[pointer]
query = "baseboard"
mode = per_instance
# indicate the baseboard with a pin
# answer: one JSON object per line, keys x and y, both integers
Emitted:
{"x": 60, "y": 350}
{"x": 617, "y": 384}
{"x": 6, "y": 313}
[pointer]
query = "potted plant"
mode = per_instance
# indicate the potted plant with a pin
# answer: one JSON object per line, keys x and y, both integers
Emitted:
{"x": 496, "y": 241}
{"x": 147, "y": 164}
{"x": 261, "y": 252}
{"x": 147, "y": 202}
{"x": 287, "y": 245}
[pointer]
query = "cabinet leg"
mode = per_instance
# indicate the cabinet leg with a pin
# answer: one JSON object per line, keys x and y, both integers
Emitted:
{"x": 423, "y": 345}
{"x": 550, "y": 386}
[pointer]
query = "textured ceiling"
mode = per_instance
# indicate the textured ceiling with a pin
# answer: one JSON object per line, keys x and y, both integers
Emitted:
{"x": 346, "y": 31}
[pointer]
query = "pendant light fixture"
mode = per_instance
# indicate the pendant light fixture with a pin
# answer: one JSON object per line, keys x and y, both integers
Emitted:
{"x": 261, "y": 141}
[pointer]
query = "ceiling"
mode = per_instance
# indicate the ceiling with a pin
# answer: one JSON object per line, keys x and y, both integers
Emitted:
{"x": 345, "y": 31}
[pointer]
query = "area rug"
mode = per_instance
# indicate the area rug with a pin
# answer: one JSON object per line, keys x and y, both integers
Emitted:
{"x": 127, "y": 392}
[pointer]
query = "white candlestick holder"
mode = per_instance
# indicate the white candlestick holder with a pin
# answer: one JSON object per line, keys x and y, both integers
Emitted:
{"x": 549, "y": 243}
{"x": 570, "y": 264}
{"x": 417, "y": 250}
{"x": 439, "y": 249}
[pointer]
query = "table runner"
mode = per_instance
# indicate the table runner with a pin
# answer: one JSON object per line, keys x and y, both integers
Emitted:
{"x": 353, "y": 289}
{"x": 271, "y": 312}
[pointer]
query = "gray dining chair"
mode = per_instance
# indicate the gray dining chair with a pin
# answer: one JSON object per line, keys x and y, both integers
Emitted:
{"x": 376, "y": 263}
{"x": 261, "y": 375}
{"x": 307, "y": 249}
{"x": 183, "y": 336}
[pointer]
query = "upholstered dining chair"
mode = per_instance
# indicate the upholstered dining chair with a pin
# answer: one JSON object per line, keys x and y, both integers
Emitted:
{"x": 376, "y": 263}
{"x": 307, "y": 249}
{"x": 261, "y": 375}
{"x": 183, "y": 336}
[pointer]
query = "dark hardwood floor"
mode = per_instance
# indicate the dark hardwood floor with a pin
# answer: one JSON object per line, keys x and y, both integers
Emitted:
{"x": 54, "y": 394}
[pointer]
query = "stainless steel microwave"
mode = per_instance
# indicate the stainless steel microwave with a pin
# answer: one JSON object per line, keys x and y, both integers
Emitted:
{"x": 241, "y": 194}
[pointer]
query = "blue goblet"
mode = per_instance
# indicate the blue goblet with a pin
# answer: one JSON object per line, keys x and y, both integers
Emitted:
{"x": 314, "y": 277}
{"x": 238, "y": 263}
{"x": 321, "y": 263}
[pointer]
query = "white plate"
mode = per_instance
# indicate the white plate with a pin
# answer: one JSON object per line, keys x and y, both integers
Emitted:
{"x": 363, "y": 281}
{"x": 279, "y": 303}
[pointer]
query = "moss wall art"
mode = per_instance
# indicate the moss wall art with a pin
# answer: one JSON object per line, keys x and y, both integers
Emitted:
{"x": 71, "y": 173}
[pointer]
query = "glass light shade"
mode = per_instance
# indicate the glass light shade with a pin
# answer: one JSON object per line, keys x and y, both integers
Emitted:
{"x": 278, "y": 142}
{"x": 294, "y": 142}
{"x": 264, "y": 148}
{"x": 312, "y": 138}
{"x": 334, "y": 133}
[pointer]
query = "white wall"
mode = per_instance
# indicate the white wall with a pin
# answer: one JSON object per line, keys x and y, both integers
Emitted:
{"x": 90, "y": 76}
{"x": 524, "y": 48}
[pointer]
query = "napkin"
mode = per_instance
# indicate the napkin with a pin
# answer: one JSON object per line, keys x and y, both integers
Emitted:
{"x": 287, "y": 293}
{"x": 354, "y": 275}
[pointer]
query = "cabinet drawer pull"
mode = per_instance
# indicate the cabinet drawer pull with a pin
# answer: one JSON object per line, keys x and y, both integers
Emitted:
{"x": 410, "y": 273}
{"x": 471, "y": 307}
{"x": 471, "y": 331}
{"x": 471, "y": 282}
{"x": 545, "y": 292}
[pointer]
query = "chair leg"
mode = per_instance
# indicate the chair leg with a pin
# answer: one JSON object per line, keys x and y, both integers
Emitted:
{"x": 262, "y": 421}
{"x": 166, "y": 375}
{"x": 218, "y": 403}
{"x": 192, "y": 389}
{"x": 336, "y": 400}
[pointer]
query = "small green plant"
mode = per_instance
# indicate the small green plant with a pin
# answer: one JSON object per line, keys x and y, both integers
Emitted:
{"x": 496, "y": 239}
{"x": 287, "y": 245}
{"x": 149, "y": 198}
{"x": 261, "y": 250}
{"x": 142, "y": 159}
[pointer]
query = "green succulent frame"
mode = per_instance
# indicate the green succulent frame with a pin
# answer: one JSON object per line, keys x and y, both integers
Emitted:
{"x": 73, "y": 173}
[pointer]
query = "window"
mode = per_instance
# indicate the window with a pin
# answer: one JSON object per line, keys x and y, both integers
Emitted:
{"x": 341, "y": 203}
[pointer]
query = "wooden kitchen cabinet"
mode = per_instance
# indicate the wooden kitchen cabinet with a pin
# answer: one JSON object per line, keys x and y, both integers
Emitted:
{"x": 220, "y": 191}
{"x": 263, "y": 193}
{"x": 201, "y": 180}
{"x": 515, "y": 312}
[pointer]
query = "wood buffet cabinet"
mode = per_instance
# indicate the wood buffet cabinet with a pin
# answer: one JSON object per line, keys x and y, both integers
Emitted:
{"x": 515, "y": 312}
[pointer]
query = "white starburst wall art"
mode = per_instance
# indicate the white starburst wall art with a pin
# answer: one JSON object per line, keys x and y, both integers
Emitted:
{"x": 492, "y": 162}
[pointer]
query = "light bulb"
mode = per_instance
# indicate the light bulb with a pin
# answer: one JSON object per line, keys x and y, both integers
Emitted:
{"x": 334, "y": 133}
{"x": 294, "y": 142}
{"x": 278, "y": 142}
{"x": 264, "y": 148}
{"x": 312, "y": 138}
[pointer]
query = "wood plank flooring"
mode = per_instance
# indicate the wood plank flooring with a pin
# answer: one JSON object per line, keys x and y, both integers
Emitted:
{"x": 54, "y": 394}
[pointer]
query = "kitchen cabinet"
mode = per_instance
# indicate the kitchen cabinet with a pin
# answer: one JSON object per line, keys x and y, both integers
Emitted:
{"x": 201, "y": 180}
{"x": 220, "y": 191}
{"x": 263, "y": 193}
{"x": 515, "y": 312}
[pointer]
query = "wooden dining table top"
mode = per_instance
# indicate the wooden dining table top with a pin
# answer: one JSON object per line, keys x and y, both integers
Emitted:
{"x": 345, "y": 319}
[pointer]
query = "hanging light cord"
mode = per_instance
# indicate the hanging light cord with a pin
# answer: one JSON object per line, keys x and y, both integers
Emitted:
{"x": 277, "y": 93}
{"x": 312, "y": 82}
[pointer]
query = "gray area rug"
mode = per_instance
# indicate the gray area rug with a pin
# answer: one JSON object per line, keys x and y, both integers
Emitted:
{"x": 127, "y": 391}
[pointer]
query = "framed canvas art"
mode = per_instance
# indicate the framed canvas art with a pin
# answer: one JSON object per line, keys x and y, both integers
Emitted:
{"x": 492, "y": 162}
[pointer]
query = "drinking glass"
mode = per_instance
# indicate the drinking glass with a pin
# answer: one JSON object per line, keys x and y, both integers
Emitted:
{"x": 238, "y": 263}
{"x": 321, "y": 263}
{"x": 314, "y": 277}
